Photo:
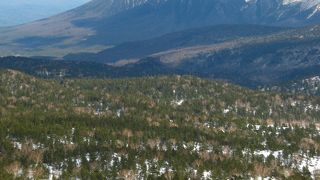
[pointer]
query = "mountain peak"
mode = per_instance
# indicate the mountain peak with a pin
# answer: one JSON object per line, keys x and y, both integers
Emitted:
{"x": 305, "y": 3}
{"x": 102, "y": 23}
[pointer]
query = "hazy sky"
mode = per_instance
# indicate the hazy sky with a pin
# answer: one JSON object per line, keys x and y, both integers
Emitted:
{"x": 14, "y": 12}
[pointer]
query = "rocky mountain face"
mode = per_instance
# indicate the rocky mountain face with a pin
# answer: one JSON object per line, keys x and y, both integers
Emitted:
{"x": 101, "y": 23}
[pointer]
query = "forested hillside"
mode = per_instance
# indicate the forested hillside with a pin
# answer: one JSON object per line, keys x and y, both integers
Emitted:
{"x": 169, "y": 127}
{"x": 307, "y": 86}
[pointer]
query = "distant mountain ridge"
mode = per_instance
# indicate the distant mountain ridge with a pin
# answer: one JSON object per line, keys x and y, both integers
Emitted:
{"x": 252, "y": 61}
{"x": 255, "y": 60}
{"x": 101, "y": 23}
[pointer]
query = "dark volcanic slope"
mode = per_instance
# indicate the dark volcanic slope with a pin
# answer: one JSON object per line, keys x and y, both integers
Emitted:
{"x": 191, "y": 37}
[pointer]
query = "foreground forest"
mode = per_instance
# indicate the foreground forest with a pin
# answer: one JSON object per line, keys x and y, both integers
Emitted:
{"x": 168, "y": 127}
